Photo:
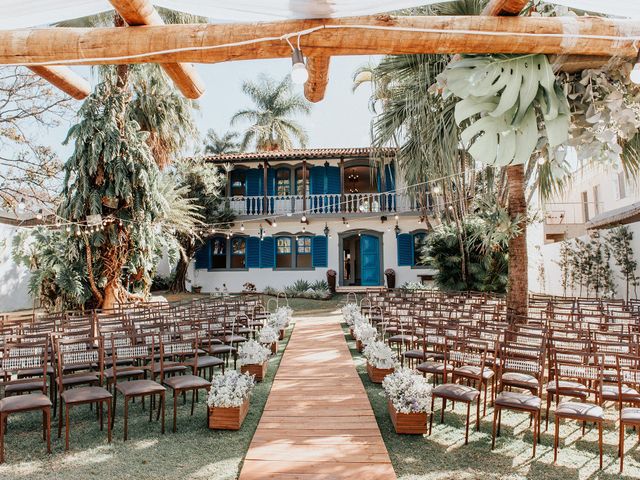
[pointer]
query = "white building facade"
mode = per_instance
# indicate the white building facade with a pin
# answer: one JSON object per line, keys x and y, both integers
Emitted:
{"x": 300, "y": 213}
{"x": 596, "y": 199}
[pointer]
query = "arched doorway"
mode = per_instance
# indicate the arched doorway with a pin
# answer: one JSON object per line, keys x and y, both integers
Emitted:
{"x": 360, "y": 254}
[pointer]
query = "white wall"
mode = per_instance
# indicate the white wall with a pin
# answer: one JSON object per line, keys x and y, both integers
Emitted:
{"x": 14, "y": 280}
{"x": 263, "y": 277}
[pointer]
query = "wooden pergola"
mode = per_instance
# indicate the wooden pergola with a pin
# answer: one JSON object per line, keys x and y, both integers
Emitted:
{"x": 582, "y": 42}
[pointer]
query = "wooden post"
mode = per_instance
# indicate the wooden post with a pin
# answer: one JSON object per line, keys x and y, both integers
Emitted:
{"x": 316, "y": 86}
{"x": 264, "y": 187}
{"x": 304, "y": 185}
{"x": 342, "y": 196}
{"x": 142, "y": 12}
{"x": 65, "y": 79}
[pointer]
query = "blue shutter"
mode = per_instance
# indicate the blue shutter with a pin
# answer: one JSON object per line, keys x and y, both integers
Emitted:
{"x": 319, "y": 251}
{"x": 203, "y": 255}
{"x": 333, "y": 180}
{"x": 405, "y": 250}
{"x": 254, "y": 182}
{"x": 390, "y": 177}
{"x": 253, "y": 252}
{"x": 271, "y": 182}
{"x": 316, "y": 180}
{"x": 267, "y": 253}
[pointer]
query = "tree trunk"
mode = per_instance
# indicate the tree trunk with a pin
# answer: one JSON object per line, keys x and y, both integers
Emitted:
{"x": 518, "y": 290}
{"x": 179, "y": 282}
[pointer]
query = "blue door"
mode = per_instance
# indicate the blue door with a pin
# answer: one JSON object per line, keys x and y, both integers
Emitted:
{"x": 369, "y": 260}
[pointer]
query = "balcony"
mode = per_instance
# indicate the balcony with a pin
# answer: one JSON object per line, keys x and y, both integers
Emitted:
{"x": 563, "y": 221}
{"x": 324, "y": 204}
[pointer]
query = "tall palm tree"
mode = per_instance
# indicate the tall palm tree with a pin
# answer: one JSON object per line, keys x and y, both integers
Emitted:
{"x": 215, "y": 144}
{"x": 272, "y": 124}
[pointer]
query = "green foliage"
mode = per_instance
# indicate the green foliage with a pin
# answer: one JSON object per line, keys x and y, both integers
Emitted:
{"x": 300, "y": 285}
{"x": 501, "y": 98}
{"x": 319, "y": 285}
{"x": 585, "y": 266}
{"x": 486, "y": 267}
{"x": 215, "y": 144}
{"x": 272, "y": 125}
{"x": 619, "y": 243}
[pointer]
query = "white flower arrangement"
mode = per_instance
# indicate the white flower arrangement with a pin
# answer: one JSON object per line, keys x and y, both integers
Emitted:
{"x": 365, "y": 332}
{"x": 230, "y": 389}
{"x": 349, "y": 311}
{"x": 252, "y": 353}
{"x": 408, "y": 391}
{"x": 380, "y": 355}
{"x": 286, "y": 312}
{"x": 277, "y": 321}
{"x": 268, "y": 335}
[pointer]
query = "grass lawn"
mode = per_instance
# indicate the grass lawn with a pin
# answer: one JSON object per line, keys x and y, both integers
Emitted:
{"x": 192, "y": 452}
{"x": 444, "y": 455}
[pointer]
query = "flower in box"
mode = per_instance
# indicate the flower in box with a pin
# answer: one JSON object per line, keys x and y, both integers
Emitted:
{"x": 268, "y": 335}
{"x": 349, "y": 311}
{"x": 380, "y": 355}
{"x": 286, "y": 312}
{"x": 230, "y": 389}
{"x": 252, "y": 353}
{"x": 365, "y": 332}
{"x": 408, "y": 391}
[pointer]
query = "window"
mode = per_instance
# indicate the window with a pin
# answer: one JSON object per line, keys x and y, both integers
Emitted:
{"x": 284, "y": 253}
{"x": 283, "y": 182}
{"x": 419, "y": 256}
{"x": 596, "y": 199}
{"x": 238, "y": 183}
{"x": 303, "y": 252}
{"x": 584, "y": 196}
{"x": 218, "y": 252}
{"x": 622, "y": 186}
{"x": 238, "y": 252}
{"x": 299, "y": 181}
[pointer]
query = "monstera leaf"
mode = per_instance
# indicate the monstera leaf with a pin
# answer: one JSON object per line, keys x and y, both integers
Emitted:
{"x": 501, "y": 97}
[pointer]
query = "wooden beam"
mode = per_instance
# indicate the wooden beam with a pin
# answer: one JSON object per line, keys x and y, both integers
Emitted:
{"x": 65, "y": 79}
{"x": 352, "y": 36}
{"x": 504, "y": 8}
{"x": 142, "y": 12}
{"x": 316, "y": 86}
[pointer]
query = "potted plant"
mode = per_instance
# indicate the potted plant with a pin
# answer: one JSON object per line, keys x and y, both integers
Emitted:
{"x": 331, "y": 280}
{"x": 390, "y": 274}
{"x": 364, "y": 333}
{"x": 196, "y": 288}
{"x": 381, "y": 361}
{"x": 248, "y": 288}
{"x": 269, "y": 336}
{"x": 228, "y": 400}
{"x": 351, "y": 312}
{"x": 279, "y": 320}
{"x": 254, "y": 359}
{"x": 409, "y": 397}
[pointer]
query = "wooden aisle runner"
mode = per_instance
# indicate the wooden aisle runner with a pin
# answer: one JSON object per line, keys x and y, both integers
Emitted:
{"x": 318, "y": 422}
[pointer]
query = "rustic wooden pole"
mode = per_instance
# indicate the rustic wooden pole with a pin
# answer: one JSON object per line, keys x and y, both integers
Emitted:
{"x": 65, "y": 79}
{"x": 316, "y": 86}
{"x": 351, "y": 36}
{"x": 142, "y": 12}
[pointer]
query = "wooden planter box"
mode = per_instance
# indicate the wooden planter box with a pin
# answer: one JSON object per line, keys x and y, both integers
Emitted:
{"x": 281, "y": 334}
{"x": 376, "y": 375}
{"x": 359, "y": 346}
{"x": 259, "y": 370}
{"x": 228, "y": 418}
{"x": 274, "y": 347}
{"x": 411, "y": 423}
{"x": 351, "y": 332}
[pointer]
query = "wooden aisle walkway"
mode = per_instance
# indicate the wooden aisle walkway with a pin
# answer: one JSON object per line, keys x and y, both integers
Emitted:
{"x": 318, "y": 422}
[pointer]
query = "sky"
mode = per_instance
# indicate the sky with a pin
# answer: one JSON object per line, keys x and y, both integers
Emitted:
{"x": 342, "y": 119}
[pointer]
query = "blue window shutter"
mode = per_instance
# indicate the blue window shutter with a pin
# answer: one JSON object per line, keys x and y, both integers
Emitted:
{"x": 267, "y": 253}
{"x": 203, "y": 255}
{"x": 390, "y": 177}
{"x": 319, "y": 251}
{"x": 271, "y": 182}
{"x": 254, "y": 182}
{"x": 316, "y": 180}
{"x": 253, "y": 252}
{"x": 333, "y": 180}
{"x": 405, "y": 250}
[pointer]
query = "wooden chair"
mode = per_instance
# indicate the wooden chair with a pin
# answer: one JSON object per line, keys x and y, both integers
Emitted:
{"x": 628, "y": 369}
{"x": 14, "y": 361}
{"x": 140, "y": 355}
{"x": 522, "y": 368}
{"x": 182, "y": 349}
{"x": 88, "y": 354}
{"x": 585, "y": 369}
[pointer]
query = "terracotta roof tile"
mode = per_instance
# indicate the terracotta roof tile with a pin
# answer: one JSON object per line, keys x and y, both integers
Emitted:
{"x": 303, "y": 153}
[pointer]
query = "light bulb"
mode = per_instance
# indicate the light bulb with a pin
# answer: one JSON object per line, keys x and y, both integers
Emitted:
{"x": 274, "y": 224}
{"x": 242, "y": 227}
{"x": 304, "y": 219}
{"x": 634, "y": 76}
{"x": 299, "y": 73}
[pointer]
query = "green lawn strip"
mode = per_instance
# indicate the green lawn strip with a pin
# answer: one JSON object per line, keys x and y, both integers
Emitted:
{"x": 444, "y": 455}
{"x": 192, "y": 452}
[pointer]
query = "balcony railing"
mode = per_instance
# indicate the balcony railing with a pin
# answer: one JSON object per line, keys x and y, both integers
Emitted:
{"x": 570, "y": 213}
{"x": 351, "y": 203}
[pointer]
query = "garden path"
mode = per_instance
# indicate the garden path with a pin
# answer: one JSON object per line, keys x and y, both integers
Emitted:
{"x": 318, "y": 422}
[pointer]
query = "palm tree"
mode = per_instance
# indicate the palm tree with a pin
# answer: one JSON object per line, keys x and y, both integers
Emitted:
{"x": 215, "y": 144}
{"x": 272, "y": 124}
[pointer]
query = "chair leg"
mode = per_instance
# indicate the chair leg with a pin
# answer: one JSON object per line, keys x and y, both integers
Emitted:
{"x": 499, "y": 420}
{"x": 478, "y": 414}
{"x": 536, "y": 426}
{"x": 113, "y": 409}
{"x": 1, "y": 438}
{"x": 47, "y": 414}
{"x": 466, "y": 432}
{"x": 162, "y": 400}
{"x": 126, "y": 416}
{"x": 546, "y": 413}
{"x": 59, "y": 424}
{"x": 621, "y": 446}
{"x": 431, "y": 416}
{"x": 66, "y": 426}
{"x": 44, "y": 424}
{"x": 493, "y": 428}
{"x": 109, "y": 415}
{"x": 175, "y": 409}
{"x": 600, "y": 442}
{"x": 556, "y": 437}
{"x": 193, "y": 399}
{"x": 444, "y": 405}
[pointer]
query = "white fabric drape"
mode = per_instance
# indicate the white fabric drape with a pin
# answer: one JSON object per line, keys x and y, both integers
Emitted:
{"x": 32, "y": 13}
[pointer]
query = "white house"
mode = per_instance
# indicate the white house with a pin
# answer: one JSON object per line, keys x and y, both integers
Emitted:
{"x": 303, "y": 212}
{"x": 596, "y": 198}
